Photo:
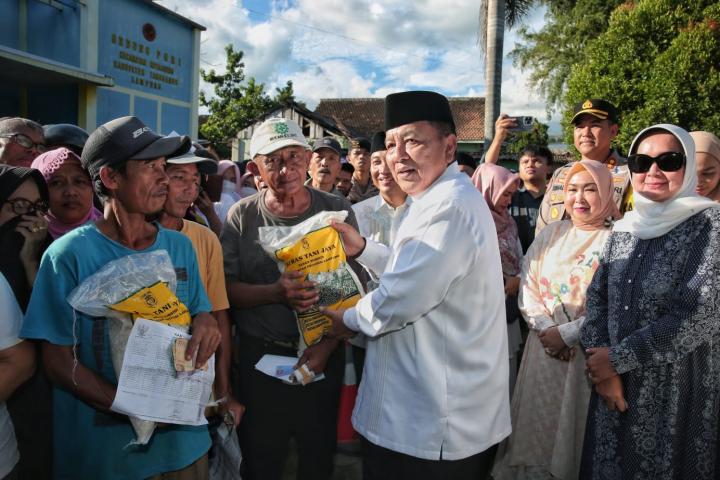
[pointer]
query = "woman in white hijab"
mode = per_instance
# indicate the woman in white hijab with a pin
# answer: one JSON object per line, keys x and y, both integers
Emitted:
{"x": 652, "y": 330}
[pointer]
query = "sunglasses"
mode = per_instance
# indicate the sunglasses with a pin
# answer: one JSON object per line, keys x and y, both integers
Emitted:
{"x": 667, "y": 162}
{"x": 25, "y": 142}
{"x": 23, "y": 206}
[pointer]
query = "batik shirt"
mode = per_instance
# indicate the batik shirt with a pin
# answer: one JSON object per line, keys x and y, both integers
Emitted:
{"x": 655, "y": 303}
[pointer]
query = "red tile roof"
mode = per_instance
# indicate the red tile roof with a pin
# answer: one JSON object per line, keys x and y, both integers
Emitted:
{"x": 365, "y": 116}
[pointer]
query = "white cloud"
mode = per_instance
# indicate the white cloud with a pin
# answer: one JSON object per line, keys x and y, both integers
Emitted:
{"x": 357, "y": 48}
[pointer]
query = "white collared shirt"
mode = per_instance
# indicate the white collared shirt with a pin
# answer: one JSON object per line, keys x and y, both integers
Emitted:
{"x": 435, "y": 382}
{"x": 378, "y": 221}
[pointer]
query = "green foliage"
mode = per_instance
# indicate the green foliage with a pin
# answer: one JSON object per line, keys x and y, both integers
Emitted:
{"x": 658, "y": 62}
{"x": 517, "y": 141}
{"x": 236, "y": 101}
{"x": 550, "y": 53}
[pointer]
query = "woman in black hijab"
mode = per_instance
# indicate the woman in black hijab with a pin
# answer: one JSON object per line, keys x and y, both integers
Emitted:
{"x": 23, "y": 228}
{"x": 23, "y": 239}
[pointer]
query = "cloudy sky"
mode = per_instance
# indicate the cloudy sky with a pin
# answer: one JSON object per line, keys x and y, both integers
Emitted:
{"x": 359, "y": 48}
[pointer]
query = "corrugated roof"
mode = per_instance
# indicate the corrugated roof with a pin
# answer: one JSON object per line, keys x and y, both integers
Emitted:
{"x": 366, "y": 115}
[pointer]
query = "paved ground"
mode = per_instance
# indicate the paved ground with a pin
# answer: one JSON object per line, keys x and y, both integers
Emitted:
{"x": 347, "y": 466}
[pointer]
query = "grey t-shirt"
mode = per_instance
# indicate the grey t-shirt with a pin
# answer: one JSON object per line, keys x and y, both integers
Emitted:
{"x": 245, "y": 261}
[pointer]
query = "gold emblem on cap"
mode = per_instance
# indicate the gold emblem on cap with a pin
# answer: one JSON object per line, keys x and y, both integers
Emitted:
{"x": 587, "y": 104}
{"x": 554, "y": 212}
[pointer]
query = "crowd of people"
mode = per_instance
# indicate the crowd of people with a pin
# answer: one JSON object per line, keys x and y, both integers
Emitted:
{"x": 515, "y": 325}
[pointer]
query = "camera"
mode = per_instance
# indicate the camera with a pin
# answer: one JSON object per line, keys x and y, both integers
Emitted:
{"x": 524, "y": 124}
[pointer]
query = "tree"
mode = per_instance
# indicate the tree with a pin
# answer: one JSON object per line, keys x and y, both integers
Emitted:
{"x": 236, "y": 102}
{"x": 659, "y": 62}
{"x": 493, "y": 16}
{"x": 550, "y": 53}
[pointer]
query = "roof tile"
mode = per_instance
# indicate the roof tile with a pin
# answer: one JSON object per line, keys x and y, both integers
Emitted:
{"x": 367, "y": 115}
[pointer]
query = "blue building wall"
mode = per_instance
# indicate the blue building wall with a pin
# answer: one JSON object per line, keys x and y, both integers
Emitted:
{"x": 147, "y": 110}
{"x": 53, "y": 33}
{"x": 175, "y": 118}
{"x": 147, "y": 52}
{"x": 159, "y": 67}
{"x": 9, "y": 28}
{"x": 111, "y": 104}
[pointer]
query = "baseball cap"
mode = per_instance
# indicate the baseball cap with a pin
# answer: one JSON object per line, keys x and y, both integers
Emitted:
{"x": 328, "y": 142}
{"x": 598, "y": 108}
{"x": 205, "y": 165}
{"x": 128, "y": 138}
{"x": 275, "y": 133}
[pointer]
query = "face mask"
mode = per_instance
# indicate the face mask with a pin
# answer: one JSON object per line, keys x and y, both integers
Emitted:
{"x": 228, "y": 186}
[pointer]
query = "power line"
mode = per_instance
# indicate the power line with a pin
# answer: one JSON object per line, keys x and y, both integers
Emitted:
{"x": 355, "y": 40}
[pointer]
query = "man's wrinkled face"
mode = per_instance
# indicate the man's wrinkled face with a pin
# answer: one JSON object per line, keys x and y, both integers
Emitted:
{"x": 143, "y": 188}
{"x": 418, "y": 154}
{"x": 283, "y": 171}
{"x": 593, "y": 137}
{"x": 21, "y": 146}
{"x": 183, "y": 188}
{"x": 325, "y": 166}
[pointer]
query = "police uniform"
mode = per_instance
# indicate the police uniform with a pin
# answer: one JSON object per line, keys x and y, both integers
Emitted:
{"x": 552, "y": 208}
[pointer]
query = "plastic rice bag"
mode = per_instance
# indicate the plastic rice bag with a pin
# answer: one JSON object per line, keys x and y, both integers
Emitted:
{"x": 316, "y": 249}
{"x": 141, "y": 284}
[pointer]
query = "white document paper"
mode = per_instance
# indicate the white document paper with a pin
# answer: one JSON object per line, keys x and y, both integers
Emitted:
{"x": 148, "y": 387}
{"x": 280, "y": 367}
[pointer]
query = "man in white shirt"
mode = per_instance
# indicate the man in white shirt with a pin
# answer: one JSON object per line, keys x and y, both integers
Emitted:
{"x": 379, "y": 216}
{"x": 434, "y": 399}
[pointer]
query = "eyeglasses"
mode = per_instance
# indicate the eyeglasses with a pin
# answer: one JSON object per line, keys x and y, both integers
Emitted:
{"x": 23, "y": 206}
{"x": 25, "y": 142}
{"x": 667, "y": 162}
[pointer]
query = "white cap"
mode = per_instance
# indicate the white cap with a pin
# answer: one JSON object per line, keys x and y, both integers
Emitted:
{"x": 276, "y": 133}
{"x": 205, "y": 165}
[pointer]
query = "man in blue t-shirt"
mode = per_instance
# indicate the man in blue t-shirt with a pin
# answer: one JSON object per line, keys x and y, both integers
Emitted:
{"x": 126, "y": 161}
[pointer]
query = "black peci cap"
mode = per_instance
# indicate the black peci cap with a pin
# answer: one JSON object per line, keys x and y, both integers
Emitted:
{"x": 65, "y": 135}
{"x": 378, "y": 142}
{"x": 417, "y": 106}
